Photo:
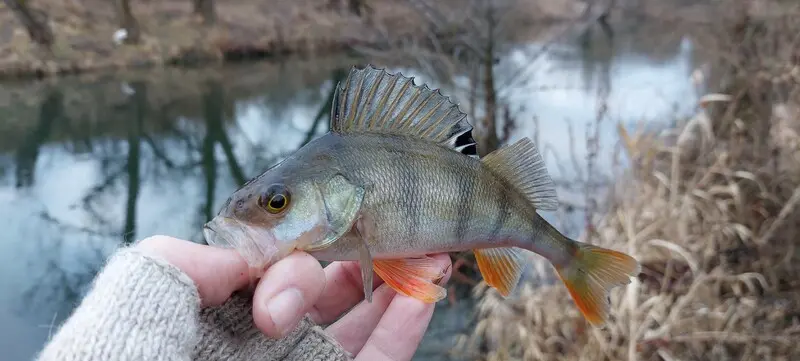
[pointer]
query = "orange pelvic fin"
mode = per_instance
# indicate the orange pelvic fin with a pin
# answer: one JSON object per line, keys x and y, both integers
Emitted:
{"x": 501, "y": 267}
{"x": 413, "y": 277}
{"x": 592, "y": 274}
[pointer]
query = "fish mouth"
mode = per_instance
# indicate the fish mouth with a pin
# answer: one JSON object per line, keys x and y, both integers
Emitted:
{"x": 255, "y": 244}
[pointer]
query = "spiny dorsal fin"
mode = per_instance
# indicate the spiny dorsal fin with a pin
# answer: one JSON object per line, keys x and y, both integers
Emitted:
{"x": 373, "y": 101}
{"x": 523, "y": 167}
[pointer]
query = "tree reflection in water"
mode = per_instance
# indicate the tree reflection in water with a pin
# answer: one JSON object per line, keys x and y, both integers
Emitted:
{"x": 148, "y": 139}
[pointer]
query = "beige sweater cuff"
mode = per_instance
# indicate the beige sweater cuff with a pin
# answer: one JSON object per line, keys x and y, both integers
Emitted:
{"x": 228, "y": 333}
{"x": 142, "y": 308}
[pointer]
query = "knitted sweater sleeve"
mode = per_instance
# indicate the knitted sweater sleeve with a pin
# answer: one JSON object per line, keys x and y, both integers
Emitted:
{"x": 142, "y": 308}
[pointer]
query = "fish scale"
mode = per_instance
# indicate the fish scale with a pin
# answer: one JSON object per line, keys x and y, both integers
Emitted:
{"x": 397, "y": 178}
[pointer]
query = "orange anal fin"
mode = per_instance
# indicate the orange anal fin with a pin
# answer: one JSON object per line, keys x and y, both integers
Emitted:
{"x": 501, "y": 267}
{"x": 592, "y": 274}
{"x": 413, "y": 277}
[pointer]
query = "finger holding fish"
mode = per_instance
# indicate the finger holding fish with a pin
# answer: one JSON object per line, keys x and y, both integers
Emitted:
{"x": 223, "y": 272}
{"x": 399, "y": 331}
{"x": 286, "y": 292}
{"x": 343, "y": 290}
{"x": 389, "y": 322}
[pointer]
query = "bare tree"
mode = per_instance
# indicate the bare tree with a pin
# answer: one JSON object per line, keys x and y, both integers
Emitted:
{"x": 127, "y": 21}
{"x": 205, "y": 8}
{"x": 469, "y": 41}
{"x": 602, "y": 15}
{"x": 35, "y": 21}
{"x": 490, "y": 140}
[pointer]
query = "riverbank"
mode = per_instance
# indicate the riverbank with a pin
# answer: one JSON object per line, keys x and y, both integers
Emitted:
{"x": 171, "y": 34}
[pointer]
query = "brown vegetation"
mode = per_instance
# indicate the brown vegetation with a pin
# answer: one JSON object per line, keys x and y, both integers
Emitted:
{"x": 34, "y": 22}
{"x": 173, "y": 31}
{"x": 64, "y": 36}
{"x": 205, "y": 8}
{"x": 712, "y": 210}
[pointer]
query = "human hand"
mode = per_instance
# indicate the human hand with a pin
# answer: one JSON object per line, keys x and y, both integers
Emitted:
{"x": 389, "y": 328}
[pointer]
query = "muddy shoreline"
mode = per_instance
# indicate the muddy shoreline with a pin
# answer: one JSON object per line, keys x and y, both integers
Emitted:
{"x": 172, "y": 35}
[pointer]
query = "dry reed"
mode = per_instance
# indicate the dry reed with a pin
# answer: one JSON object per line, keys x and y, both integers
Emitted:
{"x": 716, "y": 235}
{"x": 712, "y": 210}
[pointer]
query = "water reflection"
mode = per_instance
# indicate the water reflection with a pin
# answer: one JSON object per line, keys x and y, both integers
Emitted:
{"x": 87, "y": 164}
{"x": 28, "y": 153}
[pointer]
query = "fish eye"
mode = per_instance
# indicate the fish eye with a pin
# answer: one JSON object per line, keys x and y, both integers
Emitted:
{"x": 275, "y": 199}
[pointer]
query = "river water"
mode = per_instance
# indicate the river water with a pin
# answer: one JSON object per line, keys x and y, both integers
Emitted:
{"x": 88, "y": 162}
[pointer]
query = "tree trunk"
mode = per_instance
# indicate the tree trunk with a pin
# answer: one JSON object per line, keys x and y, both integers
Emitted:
{"x": 127, "y": 21}
{"x": 35, "y": 23}
{"x": 206, "y": 9}
{"x": 490, "y": 141}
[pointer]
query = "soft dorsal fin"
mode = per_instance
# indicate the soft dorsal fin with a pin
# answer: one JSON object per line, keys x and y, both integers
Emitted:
{"x": 523, "y": 167}
{"x": 373, "y": 101}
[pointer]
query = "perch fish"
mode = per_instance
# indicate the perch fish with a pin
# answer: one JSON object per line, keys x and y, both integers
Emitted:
{"x": 398, "y": 177}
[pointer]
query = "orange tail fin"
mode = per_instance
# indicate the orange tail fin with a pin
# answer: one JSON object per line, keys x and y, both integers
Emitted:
{"x": 591, "y": 274}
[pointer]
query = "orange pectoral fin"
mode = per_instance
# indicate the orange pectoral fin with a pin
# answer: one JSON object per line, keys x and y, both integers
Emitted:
{"x": 413, "y": 277}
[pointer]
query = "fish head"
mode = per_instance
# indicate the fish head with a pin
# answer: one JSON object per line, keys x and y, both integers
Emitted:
{"x": 282, "y": 211}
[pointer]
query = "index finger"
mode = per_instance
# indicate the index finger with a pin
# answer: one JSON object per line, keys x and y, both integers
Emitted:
{"x": 216, "y": 272}
{"x": 286, "y": 293}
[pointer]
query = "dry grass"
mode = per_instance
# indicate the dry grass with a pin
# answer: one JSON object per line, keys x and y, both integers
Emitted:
{"x": 712, "y": 210}
{"x": 717, "y": 235}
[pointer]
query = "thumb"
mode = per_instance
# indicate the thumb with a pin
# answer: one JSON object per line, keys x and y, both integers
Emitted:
{"x": 216, "y": 272}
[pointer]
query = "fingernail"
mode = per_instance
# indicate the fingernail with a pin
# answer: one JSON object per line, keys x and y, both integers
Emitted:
{"x": 285, "y": 308}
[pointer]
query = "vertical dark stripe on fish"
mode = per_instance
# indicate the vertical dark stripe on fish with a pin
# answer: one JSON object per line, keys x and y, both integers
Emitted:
{"x": 410, "y": 180}
{"x": 466, "y": 190}
{"x": 502, "y": 212}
